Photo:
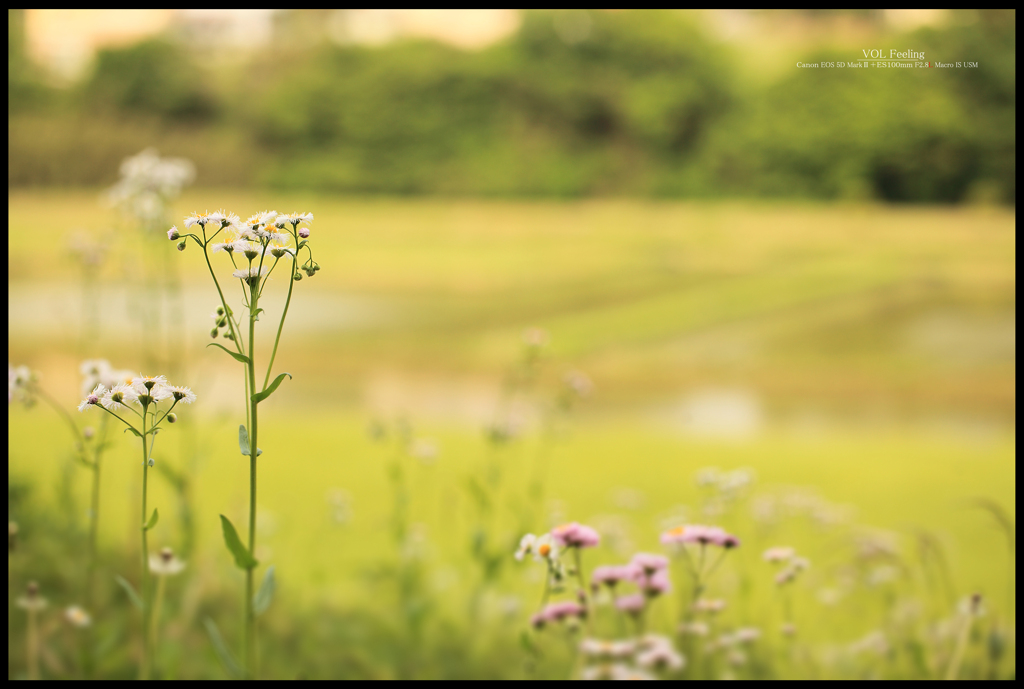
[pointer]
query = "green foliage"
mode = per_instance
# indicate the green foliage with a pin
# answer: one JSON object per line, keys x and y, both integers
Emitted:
{"x": 153, "y": 519}
{"x": 152, "y": 77}
{"x": 260, "y": 396}
{"x": 575, "y": 103}
{"x": 243, "y": 558}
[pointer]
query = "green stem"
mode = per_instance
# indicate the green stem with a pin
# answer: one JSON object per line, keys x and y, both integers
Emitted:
{"x": 157, "y": 604}
{"x": 280, "y": 327}
{"x": 32, "y": 645}
{"x": 223, "y": 302}
{"x": 250, "y": 619}
{"x": 144, "y": 669}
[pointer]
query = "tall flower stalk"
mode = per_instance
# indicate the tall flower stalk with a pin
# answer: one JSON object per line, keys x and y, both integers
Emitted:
{"x": 143, "y": 397}
{"x": 255, "y": 248}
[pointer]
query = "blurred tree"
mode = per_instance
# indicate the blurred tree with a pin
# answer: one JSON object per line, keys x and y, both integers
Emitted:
{"x": 154, "y": 77}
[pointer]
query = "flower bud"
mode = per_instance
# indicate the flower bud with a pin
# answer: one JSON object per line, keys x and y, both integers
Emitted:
{"x": 172, "y": 417}
{"x": 220, "y": 310}
{"x": 304, "y": 233}
{"x": 229, "y": 336}
{"x": 222, "y": 322}
{"x": 316, "y": 267}
{"x": 310, "y": 272}
{"x": 214, "y": 333}
{"x": 297, "y": 276}
{"x": 151, "y": 461}
{"x": 181, "y": 245}
{"x": 172, "y": 233}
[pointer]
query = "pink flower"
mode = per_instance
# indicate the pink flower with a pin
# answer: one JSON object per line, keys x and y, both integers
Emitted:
{"x": 610, "y": 575}
{"x": 575, "y": 535}
{"x": 651, "y": 583}
{"x": 697, "y": 533}
{"x": 632, "y": 604}
{"x": 555, "y": 612}
{"x": 650, "y": 563}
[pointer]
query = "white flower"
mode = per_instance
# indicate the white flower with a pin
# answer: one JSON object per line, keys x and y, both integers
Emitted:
{"x": 77, "y": 617}
{"x": 165, "y": 564}
{"x": 779, "y": 554}
{"x": 143, "y": 384}
{"x": 251, "y": 272}
{"x": 277, "y": 251}
{"x": 279, "y": 237}
{"x": 526, "y": 544}
{"x": 545, "y": 548}
{"x": 261, "y": 218}
{"x": 118, "y": 396}
{"x": 295, "y": 218}
{"x": 662, "y": 657}
{"x": 183, "y": 394}
{"x": 597, "y": 648}
{"x": 248, "y": 249}
{"x": 92, "y": 398}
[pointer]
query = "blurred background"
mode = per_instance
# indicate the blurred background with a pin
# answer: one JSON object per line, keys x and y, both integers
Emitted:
{"x": 735, "y": 262}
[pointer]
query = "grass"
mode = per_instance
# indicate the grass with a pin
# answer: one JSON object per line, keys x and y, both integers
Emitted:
{"x": 876, "y": 345}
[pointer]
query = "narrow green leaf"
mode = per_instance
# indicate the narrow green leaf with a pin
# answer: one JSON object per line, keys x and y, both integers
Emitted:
{"x": 256, "y": 316}
{"x": 266, "y": 593}
{"x": 135, "y": 432}
{"x": 260, "y": 396}
{"x": 132, "y": 596}
{"x": 238, "y": 357}
{"x": 152, "y": 520}
{"x": 243, "y": 558}
{"x": 233, "y": 669}
{"x": 243, "y": 441}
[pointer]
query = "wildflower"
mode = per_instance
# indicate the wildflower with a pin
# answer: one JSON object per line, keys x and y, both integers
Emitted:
{"x": 578, "y": 383}
{"x": 92, "y": 398}
{"x": 622, "y": 672}
{"x": 143, "y": 383}
{"x": 535, "y": 338}
{"x": 712, "y": 605}
{"x": 610, "y": 575}
{"x": 693, "y": 629}
{"x": 525, "y": 546}
{"x": 660, "y": 657}
{"x": 633, "y": 604}
{"x": 746, "y": 635}
{"x": 596, "y": 648}
{"x": 18, "y": 380}
{"x": 77, "y": 617}
{"x": 200, "y": 219}
{"x": 304, "y": 232}
{"x": 778, "y": 554}
{"x": 32, "y": 600}
{"x": 118, "y": 396}
{"x": 227, "y": 247}
{"x": 575, "y": 535}
{"x": 562, "y": 610}
{"x": 651, "y": 582}
{"x": 165, "y": 564}
{"x": 277, "y": 251}
{"x": 172, "y": 233}
{"x": 182, "y": 394}
{"x": 294, "y": 219}
{"x": 252, "y": 273}
{"x": 649, "y": 563}
{"x": 696, "y": 533}
{"x": 543, "y": 548}
{"x": 257, "y": 219}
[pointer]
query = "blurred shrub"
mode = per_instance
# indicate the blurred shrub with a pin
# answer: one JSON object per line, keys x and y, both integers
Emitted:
{"x": 153, "y": 77}
{"x": 575, "y": 103}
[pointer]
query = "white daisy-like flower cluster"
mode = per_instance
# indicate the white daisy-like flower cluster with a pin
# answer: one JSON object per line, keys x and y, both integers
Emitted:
{"x": 258, "y": 239}
{"x": 19, "y": 382}
{"x": 148, "y": 182}
{"x": 140, "y": 390}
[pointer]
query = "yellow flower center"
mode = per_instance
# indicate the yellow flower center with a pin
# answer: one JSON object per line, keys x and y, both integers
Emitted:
{"x": 544, "y": 549}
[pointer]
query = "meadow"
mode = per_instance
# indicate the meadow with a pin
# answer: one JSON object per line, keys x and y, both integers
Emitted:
{"x": 855, "y": 363}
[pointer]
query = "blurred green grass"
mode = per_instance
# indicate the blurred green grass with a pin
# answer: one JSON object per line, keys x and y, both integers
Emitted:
{"x": 817, "y": 311}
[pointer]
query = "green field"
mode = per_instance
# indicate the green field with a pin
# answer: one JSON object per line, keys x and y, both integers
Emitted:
{"x": 865, "y": 354}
